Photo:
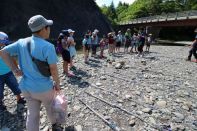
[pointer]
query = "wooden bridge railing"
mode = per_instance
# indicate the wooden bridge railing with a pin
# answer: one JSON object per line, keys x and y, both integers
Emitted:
{"x": 164, "y": 17}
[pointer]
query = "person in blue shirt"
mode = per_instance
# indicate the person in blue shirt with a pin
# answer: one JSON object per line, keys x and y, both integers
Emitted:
{"x": 86, "y": 47}
{"x": 35, "y": 87}
{"x": 7, "y": 77}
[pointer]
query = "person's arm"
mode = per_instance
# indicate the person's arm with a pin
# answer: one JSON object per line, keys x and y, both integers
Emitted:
{"x": 10, "y": 62}
{"x": 192, "y": 43}
{"x": 52, "y": 61}
{"x": 55, "y": 76}
{"x": 14, "y": 61}
{"x": 83, "y": 44}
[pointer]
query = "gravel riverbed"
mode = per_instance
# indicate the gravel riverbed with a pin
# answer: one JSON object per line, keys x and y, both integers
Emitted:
{"x": 150, "y": 93}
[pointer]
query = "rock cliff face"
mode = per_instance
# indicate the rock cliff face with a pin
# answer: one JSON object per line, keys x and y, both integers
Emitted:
{"x": 79, "y": 15}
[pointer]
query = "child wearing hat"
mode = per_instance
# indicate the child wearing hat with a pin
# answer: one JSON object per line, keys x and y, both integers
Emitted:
{"x": 86, "y": 46}
{"x": 193, "y": 50}
{"x": 119, "y": 40}
{"x": 148, "y": 43}
{"x": 7, "y": 77}
{"x": 72, "y": 50}
{"x": 65, "y": 52}
{"x": 103, "y": 43}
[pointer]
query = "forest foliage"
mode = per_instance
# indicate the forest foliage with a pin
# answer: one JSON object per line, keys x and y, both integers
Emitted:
{"x": 144, "y": 8}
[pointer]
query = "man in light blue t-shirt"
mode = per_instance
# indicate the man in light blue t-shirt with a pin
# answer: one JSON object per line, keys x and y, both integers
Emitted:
{"x": 7, "y": 77}
{"x": 35, "y": 87}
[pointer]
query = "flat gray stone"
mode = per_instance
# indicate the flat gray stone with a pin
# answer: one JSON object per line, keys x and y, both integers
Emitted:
{"x": 147, "y": 110}
{"x": 161, "y": 104}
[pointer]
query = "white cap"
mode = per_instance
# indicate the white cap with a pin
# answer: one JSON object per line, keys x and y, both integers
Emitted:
{"x": 70, "y": 31}
{"x": 96, "y": 31}
{"x": 3, "y": 38}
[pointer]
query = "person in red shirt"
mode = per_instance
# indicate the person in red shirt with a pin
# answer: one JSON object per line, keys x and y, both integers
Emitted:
{"x": 111, "y": 43}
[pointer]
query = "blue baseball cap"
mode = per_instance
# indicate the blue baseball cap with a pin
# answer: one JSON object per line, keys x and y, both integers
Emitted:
{"x": 4, "y": 38}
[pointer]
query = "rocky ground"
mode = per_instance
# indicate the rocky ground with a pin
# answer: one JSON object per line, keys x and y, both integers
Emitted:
{"x": 150, "y": 93}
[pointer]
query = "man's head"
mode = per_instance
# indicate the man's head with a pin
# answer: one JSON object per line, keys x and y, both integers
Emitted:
{"x": 3, "y": 39}
{"x": 40, "y": 26}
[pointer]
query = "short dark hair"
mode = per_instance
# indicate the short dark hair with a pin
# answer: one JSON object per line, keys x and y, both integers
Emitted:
{"x": 40, "y": 30}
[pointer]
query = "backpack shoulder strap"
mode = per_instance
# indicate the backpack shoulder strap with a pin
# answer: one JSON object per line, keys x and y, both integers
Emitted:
{"x": 29, "y": 47}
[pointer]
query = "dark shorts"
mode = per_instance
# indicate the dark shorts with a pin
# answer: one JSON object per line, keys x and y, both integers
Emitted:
{"x": 140, "y": 48}
{"x": 66, "y": 55}
{"x": 148, "y": 44}
{"x": 87, "y": 47}
{"x": 127, "y": 44}
{"x": 118, "y": 44}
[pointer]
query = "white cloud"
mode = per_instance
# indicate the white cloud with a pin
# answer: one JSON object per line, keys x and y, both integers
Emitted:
{"x": 108, "y": 2}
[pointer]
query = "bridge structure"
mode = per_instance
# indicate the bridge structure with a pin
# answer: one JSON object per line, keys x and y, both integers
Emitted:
{"x": 154, "y": 24}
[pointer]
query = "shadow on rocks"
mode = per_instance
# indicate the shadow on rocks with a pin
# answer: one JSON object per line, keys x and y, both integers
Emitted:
{"x": 93, "y": 65}
{"x": 151, "y": 52}
{"x": 80, "y": 73}
{"x": 78, "y": 81}
{"x": 94, "y": 60}
{"x": 13, "y": 121}
{"x": 118, "y": 55}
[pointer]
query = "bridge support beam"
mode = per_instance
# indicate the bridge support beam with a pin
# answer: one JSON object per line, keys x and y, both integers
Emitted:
{"x": 153, "y": 30}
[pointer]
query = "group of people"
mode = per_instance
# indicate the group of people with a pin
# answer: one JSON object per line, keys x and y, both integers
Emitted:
{"x": 115, "y": 42}
{"x": 34, "y": 86}
{"x": 37, "y": 88}
{"x": 66, "y": 47}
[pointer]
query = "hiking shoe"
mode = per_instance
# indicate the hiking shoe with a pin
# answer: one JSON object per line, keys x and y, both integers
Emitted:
{"x": 2, "y": 107}
{"x": 57, "y": 127}
{"x": 21, "y": 101}
{"x": 188, "y": 59}
{"x": 194, "y": 60}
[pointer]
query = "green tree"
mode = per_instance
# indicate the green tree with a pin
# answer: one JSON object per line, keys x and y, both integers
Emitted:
{"x": 153, "y": 7}
{"x": 120, "y": 10}
{"x": 143, "y": 8}
{"x": 190, "y": 4}
{"x": 110, "y": 13}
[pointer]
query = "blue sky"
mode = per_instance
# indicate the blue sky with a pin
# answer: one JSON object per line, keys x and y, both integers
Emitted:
{"x": 108, "y": 2}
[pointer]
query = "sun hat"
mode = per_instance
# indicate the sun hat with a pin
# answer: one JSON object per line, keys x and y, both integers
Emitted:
{"x": 66, "y": 33}
{"x": 96, "y": 31}
{"x": 38, "y": 22}
{"x": 70, "y": 31}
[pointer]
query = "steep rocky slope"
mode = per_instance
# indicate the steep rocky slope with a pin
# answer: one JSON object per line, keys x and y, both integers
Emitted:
{"x": 79, "y": 15}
